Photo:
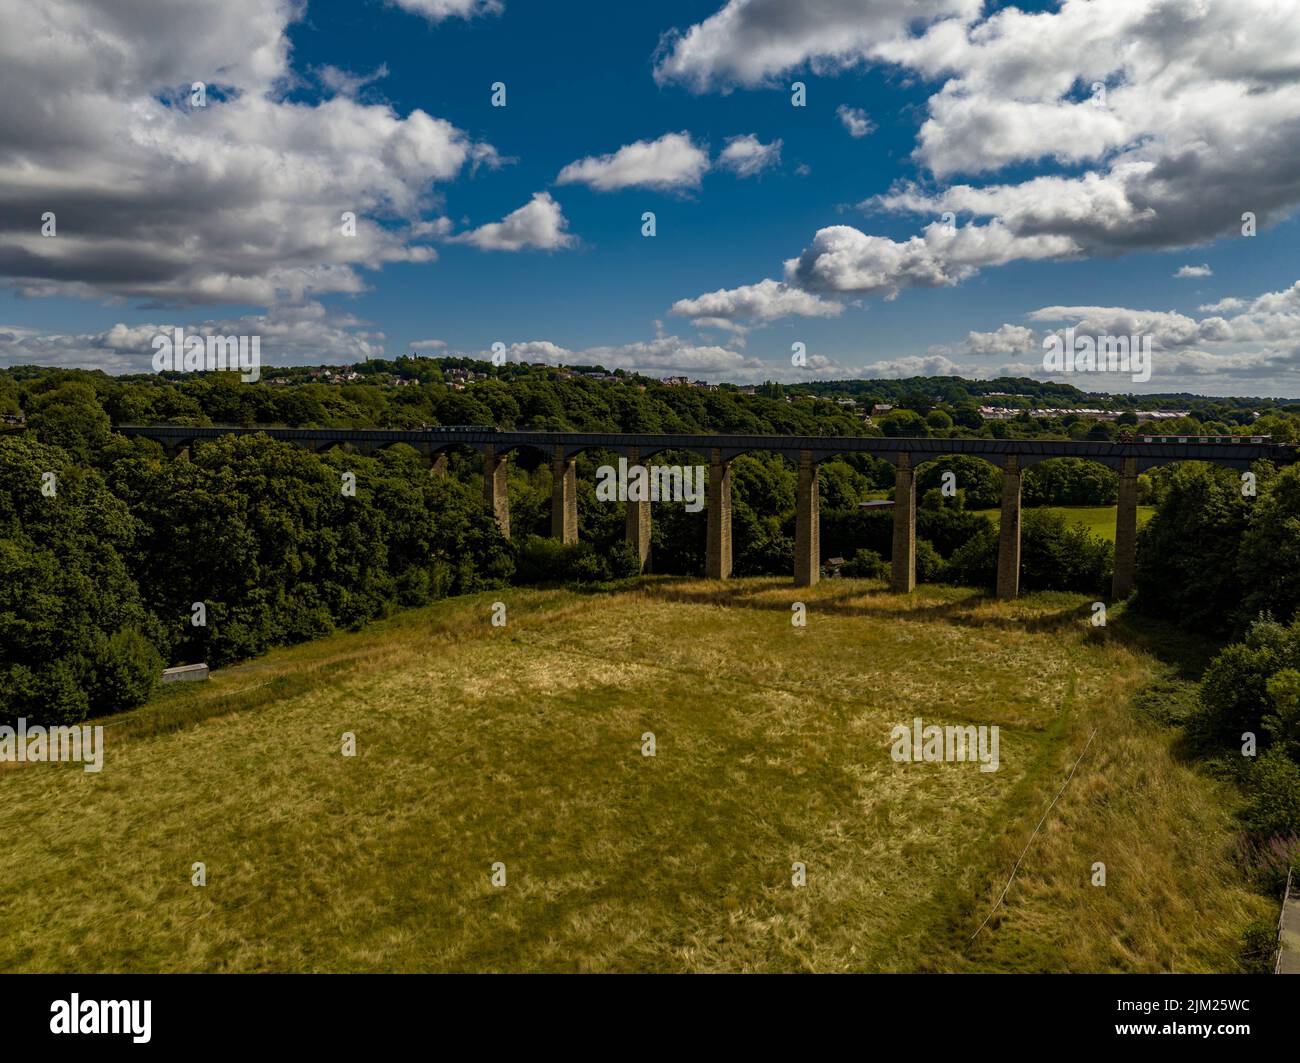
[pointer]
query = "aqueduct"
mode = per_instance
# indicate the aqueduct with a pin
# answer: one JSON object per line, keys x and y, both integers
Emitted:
{"x": 1012, "y": 456}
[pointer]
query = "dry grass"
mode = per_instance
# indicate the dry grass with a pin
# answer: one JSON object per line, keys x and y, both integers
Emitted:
{"x": 522, "y": 744}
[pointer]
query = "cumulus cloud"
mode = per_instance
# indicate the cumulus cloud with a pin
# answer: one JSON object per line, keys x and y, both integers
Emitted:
{"x": 427, "y": 345}
{"x": 663, "y": 355}
{"x": 746, "y": 156}
{"x": 855, "y": 120}
{"x": 671, "y": 162}
{"x": 305, "y": 333}
{"x": 238, "y": 201}
{"x": 1194, "y": 271}
{"x": 750, "y": 42}
{"x": 1153, "y": 134}
{"x": 762, "y": 302}
{"x": 912, "y": 365}
{"x": 1009, "y": 339}
{"x": 539, "y": 224}
{"x": 844, "y": 259}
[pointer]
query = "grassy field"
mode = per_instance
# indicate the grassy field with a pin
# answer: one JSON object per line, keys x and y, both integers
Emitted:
{"x": 523, "y": 744}
{"x": 1100, "y": 520}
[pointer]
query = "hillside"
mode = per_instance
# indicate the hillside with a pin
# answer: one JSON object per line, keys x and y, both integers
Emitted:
{"x": 523, "y": 744}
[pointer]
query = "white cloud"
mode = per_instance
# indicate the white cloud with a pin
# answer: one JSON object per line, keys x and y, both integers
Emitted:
{"x": 346, "y": 83}
{"x": 671, "y": 162}
{"x": 1194, "y": 271}
{"x": 912, "y": 365}
{"x": 1008, "y": 339}
{"x": 844, "y": 259}
{"x": 538, "y": 224}
{"x": 1182, "y": 135}
{"x": 303, "y": 334}
{"x": 435, "y": 345}
{"x": 762, "y": 302}
{"x": 437, "y": 10}
{"x": 239, "y": 201}
{"x": 747, "y": 155}
{"x": 855, "y": 120}
{"x": 750, "y": 42}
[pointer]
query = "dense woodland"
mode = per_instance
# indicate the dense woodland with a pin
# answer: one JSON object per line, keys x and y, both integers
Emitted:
{"x": 108, "y": 548}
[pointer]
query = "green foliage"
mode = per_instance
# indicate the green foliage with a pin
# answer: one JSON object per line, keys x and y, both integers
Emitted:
{"x": 1274, "y": 803}
{"x": 69, "y": 416}
{"x": 1055, "y": 554}
{"x": 978, "y": 479}
{"x": 929, "y": 564}
{"x": 1268, "y": 556}
{"x": 72, "y": 627}
{"x": 1069, "y": 482}
{"x": 1235, "y": 689}
{"x": 1186, "y": 553}
{"x": 545, "y": 560}
{"x": 866, "y": 564}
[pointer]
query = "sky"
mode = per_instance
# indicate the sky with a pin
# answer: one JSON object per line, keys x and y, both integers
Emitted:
{"x": 962, "y": 182}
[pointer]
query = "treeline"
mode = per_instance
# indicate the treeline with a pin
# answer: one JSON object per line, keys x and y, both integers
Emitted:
{"x": 110, "y": 569}
{"x": 1221, "y": 557}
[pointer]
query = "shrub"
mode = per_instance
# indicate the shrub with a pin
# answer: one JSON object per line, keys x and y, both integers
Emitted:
{"x": 865, "y": 564}
{"x": 1274, "y": 786}
{"x": 543, "y": 560}
{"x": 929, "y": 564}
{"x": 125, "y": 666}
{"x": 1235, "y": 686}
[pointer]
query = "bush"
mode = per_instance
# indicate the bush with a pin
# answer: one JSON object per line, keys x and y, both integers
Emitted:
{"x": 1274, "y": 786}
{"x": 1235, "y": 687}
{"x": 929, "y": 565}
{"x": 865, "y": 564}
{"x": 543, "y": 560}
{"x": 125, "y": 666}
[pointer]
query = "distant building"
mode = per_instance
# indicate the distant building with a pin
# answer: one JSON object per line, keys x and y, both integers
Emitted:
{"x": 880, "y": 408}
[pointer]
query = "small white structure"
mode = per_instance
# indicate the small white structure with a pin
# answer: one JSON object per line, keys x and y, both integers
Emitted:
{"x": 185, "y": 673}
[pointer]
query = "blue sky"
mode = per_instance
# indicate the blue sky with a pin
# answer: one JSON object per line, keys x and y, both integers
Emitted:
{"x": 185, "y": 208}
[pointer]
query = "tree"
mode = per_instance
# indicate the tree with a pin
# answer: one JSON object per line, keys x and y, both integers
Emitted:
{"x": 1186, "y": 555}
{"x": 74, "y": 636}
{"x": 70, "y": 416}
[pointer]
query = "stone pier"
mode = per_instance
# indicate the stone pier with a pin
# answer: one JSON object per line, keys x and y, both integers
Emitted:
{"x": 1126, "y": 528}
{"x": 807, "y": 524}
{"x": 494, "y": 488}
{"x": 1009, "y": 530}
{"x": 638, "y": 518}
{"x": 564, "y": 497}
{"x": 438, "y": 464}
{"x": 717, "y": 562}
{"x": 903, "y": 569}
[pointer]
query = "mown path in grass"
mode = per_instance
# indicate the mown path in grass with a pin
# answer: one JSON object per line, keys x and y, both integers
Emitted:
{"x": 523, "y": 745}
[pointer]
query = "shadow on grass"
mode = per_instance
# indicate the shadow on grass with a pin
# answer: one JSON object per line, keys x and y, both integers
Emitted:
{"x": 873, "y": 599}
